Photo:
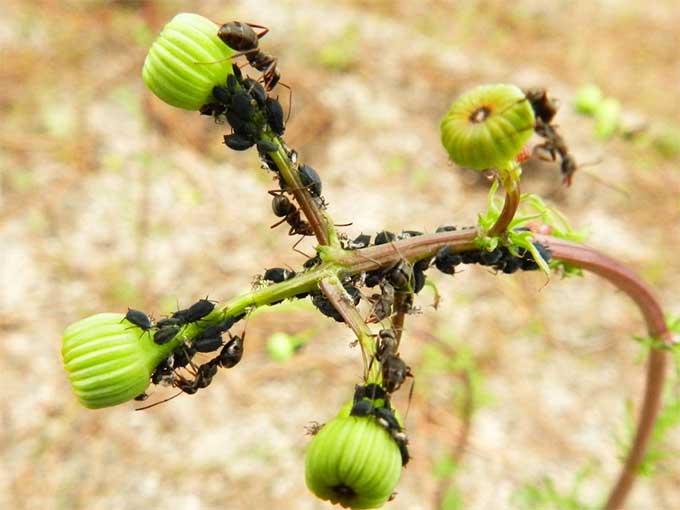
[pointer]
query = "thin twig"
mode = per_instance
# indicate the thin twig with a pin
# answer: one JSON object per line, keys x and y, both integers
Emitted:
{"x": 338, "y": 297}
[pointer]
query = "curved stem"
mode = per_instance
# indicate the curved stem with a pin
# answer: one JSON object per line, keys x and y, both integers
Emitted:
{"x": 512, "y": 198}
{"x": 638, "y": 291}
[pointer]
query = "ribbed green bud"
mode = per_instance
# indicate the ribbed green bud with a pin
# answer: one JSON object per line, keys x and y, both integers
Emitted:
{"x": 108, "y": 361}
{"x": 353, "y": 461}
{"x": 487, "y": 126}
{"x": 186, "y": 61}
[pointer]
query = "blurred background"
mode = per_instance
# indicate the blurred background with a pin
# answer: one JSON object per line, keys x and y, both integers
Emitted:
{"x": 108, "y": 198}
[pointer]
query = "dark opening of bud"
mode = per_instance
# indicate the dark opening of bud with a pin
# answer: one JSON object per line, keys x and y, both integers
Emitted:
{"x": 480, "y": 114}
{"x": 344, "y": 491}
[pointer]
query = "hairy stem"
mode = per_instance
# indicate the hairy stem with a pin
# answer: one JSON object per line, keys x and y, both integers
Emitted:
{"x": 638, "y": 291}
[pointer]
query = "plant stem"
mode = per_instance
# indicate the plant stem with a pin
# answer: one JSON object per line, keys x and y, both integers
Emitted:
{"x": 638, "y": 291}
{"x": 336, "y": 294}
{"x": 512, "y": 199}
{"x": 308, "y": 206}
{"x": 340, "y": 262}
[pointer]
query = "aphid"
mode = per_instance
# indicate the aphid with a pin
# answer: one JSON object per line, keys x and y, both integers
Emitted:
{"x": 489, "y": 258}
{"x": 384, "y": 237}
{"x": 401, "y": 276}
{"x": 162, "y": 370}
{"x": 168, "y": 321}
{"x": 311, "y": 262}
{"x": 361, "y": 241}
{"x": 238, "y": 142}
{"x": 446, "y": 228}
{"x": 511, "y": 264}
{"x": 470, "y": 257}
{"x": 274, "y": 112}
{"x": 141, "y": 397}
{"x": 372, "y": 391}
{"x": 362, "y": 408}
{"x": 242, "y": 38}
{"x": 195, "y": 312}
{"x": 223, "y": 94}
{"x": 207, "y": 343}
{"x": 212, "y": 109}
{"x": 447, "y": 260}
{"x": 418, "y": 280}
{"x": 278, "y": 274}
{"x": 407, "y": 234}
{"x": 232, "y": 352}
{"x": 310, "y": 179}
{"x": 266, "y": 146}
{"x": 139, "y": 319}
{"x": 256, "y": 91}
{"x": 165, "y": 334}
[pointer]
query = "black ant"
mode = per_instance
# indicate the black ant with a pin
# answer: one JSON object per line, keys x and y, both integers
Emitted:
{"x": 242, "y": 38}
{"x": 285, "y": 209}
{"x": 545, "y": 109}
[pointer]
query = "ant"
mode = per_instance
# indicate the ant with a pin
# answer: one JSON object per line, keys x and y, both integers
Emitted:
{"x": 285, "y": 209}
{"x": 545, "y": 109}
{"x": 242, "y": 38}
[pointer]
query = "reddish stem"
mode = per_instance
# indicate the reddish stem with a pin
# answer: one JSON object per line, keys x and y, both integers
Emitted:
{"x": 641, "y": 293}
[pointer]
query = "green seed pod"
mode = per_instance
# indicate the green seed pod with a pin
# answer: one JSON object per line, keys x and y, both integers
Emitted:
{"x": 108, "y": 361}
{"x": 487, "y": 126}
{"x": 353, "y": 461}
{"x": 186, "y": 61}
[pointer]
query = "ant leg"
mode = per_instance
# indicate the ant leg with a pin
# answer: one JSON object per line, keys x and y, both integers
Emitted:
{"x": 279, "y": 222}
{"x": 159, "y": 402}
{"x": 290, "y": 99}
{"x": 265, "y": 30}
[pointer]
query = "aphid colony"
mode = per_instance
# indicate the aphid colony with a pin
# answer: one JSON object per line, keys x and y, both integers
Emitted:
{"x": 209, "y": 340}
{"x": 256, "y": 119}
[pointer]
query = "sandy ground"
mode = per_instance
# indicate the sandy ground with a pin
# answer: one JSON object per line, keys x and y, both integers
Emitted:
{"x": 110, "y": 199}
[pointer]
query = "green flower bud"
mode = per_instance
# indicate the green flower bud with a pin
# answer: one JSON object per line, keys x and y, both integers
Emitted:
{"x": 353, "y": 461}
{"x": 587, "y": 99}
{"x": 186, "y": 61}
{"x": 607, "y": 118}
{"x": 487, "y": 126}
{"x": 108, "y": 360}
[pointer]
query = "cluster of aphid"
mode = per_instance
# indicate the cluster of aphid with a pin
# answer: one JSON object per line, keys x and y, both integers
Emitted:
{"x": 545, "y": 109}
{"x": 209, "y": 340}
{"x": 374, "y": 400}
